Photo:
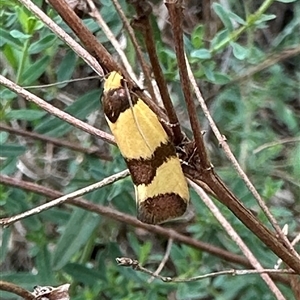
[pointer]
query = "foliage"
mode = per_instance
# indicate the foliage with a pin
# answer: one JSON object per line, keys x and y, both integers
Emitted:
{"x": 68, "y": 244}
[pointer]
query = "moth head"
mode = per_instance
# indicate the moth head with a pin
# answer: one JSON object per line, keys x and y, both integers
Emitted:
{"x": 113, "y": 81}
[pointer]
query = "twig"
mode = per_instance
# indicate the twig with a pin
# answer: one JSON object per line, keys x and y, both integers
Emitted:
{"x": 118, "y": 216}
{"x": 273, "y": 144}
{"x": 175, "y": 12}
{"x": 79, "y": 50}
{"x": 40, "y": 86}
{"x": 60, "y": 200}
{"x": 96, "y": 15}
{"x": 251, "y": 19}
{"x": 142, "y": 23}
{"x": 242, "y": 174}
{"x": 294, "y": 242}
{"x": 130, "y": 220}
{"x": 164, "y": 260}
{"x": 128, "y": 262}
{"x": 55, "y": 111}
{"x": 88, "y": 39}
{"x": 236, "y": 238}
{"x": 138, "y": 50}
{"x": 15, "y": 289}
{"x": 58, "y": 142}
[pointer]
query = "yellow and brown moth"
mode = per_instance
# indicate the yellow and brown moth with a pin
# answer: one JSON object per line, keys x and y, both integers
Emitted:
{"x": 161, "y": 189}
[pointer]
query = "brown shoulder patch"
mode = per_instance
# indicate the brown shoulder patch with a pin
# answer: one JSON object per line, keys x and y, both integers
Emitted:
{"x": 115, "y": 102}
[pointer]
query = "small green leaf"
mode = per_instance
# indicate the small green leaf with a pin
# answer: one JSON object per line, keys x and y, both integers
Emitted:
{"x": 236, "y": 18}
{"x": 201, "y": 54}
{"x": 219, "y": 38}
{"x": 286, "y": 1}
{"x": 25, "y": 114}
{"x": 75, "y": 236}
{"x": 3, "y": 137}
{"x": 83, "y": 274}
{"x": 66, "y": 68}
{"x": 238, "y": 51}
{"x": 265, "y": 18}
{"x": 35, "y": 70}
{"x": 221, "y": 78}
{"x": 197, "y": 36}
{"x": 11, "y": 150}
{"x": 223, "y": 15}
{"x": 42, "y": 44}
{"x": 6, "y": 37}
{"x": 19, "y": 35}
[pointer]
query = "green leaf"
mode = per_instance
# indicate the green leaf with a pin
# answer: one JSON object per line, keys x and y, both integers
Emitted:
{"x": 35, "y": 71}
{"x": 6, "y": 37}
{"x": 11, "y": 150}
{"x": 236, "y": 18}
{"x": 75, "y": 236}
{"x": 83, "y": 274}
{"x": 219, "y": 38}
{"x": 238, "y": 51}
{"x": 197, "y": 36}
{"x": 25, "y": 114}
{"x": 83, "y": 106}
{"x": 3, "y": 137}
{"x": 43, "y": 265}
{"x": 7, "y": 94}
{"x": 201, "y": 54}
{"x": 5, "y": 243}
{"x": 19, "y": 35}
{"x": 67, "y": 66}
{"x": 295, "y": 161}
{"x": 42, "y": 44}
{"x": 286, "y": 1}
{"x": 264, "y": 18}
{"x": 223, "y": 15}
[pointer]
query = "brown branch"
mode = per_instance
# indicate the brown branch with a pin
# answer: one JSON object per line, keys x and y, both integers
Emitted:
{"x": 237, "y": 239}
{"x": 144, "y": 65}
{"x": 87, "y": 38}
{"x": 15, "y": 289}
{"x": 142, "y": 23}
{"x": 58, "y": 142}
{"x": 225, "y": 196}
{"x": 125, "y": 218}
{"x": 281, "y": 247}
{"x": 175, "y": 12}
{"x": 55, "y": 111}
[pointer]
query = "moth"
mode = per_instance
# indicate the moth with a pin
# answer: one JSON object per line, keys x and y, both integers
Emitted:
{"x": 161, "y": 189}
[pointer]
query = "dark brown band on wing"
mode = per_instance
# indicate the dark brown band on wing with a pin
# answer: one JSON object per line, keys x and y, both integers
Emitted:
{"x": 144, "y": 170}
{"x": 158, "y": 209}
{"x": 115, "y": 102}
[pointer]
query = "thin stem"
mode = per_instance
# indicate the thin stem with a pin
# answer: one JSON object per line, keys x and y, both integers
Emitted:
{"x": 142, "y": 61}
{"x": 62, "y": 199}
{"x": 234, "y": 35}
{"x": 129, "y": 262}
{"x": 175, "y": 12}
{"x": 23, "y": 60}
{"x": 289, "y": 255}
{"x": 55, "y": 111}
{"x": 237, "y": 239}
{"x": 80, "y": 51}
{"x": 130, "y": 220}
{"x": 58, "y": 142}
{"x": 15, "y": 289}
